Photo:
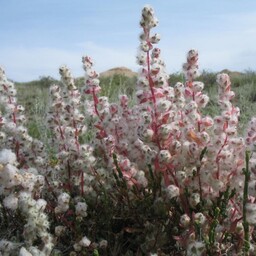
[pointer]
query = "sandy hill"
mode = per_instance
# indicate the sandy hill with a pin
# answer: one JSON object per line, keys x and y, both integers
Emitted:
{"x": 118, "y": 71}
{"x": 232, "y": 73}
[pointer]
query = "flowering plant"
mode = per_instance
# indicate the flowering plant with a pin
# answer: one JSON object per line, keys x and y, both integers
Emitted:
{"x": 159, "y": 177}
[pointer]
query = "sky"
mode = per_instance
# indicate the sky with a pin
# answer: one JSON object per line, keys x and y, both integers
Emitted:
{"x": 38, "y": 36}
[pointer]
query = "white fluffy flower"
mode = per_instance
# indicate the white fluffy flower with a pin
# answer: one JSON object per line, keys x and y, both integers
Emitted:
{"x": 35, "y": 251}
{"x": 24, "y": 252}
{"x": 63, "y": 198}
{"x": 103, "y": 244}
{"x": 81, "y": 209}
{"x": 11, "y": 202}
{"x": 184, "y": 220}
{"x": 140, "y": 177}
{"x": 10, "y": 127}
{"x": 196, "y": 248}
{"x": 172, "y": 191}
{"x": 7, "y": 247}
{"x": 199, "y": 218}
{"x": 41, "y": 204}
{"x": 85, "y": 242}
{"x": 63, "y": 203}
{"x": 9, "y": 176}
{"x": 7, "y": 156}
{"x": 164, "y": 156}
{"x": 28, "y": 181}
{"x": 24, "y": 196}
{"x": 194, "y": 199}
{"x": 77, "y": 247}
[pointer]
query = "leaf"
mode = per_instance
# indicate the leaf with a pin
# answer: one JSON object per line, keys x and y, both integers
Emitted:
{"x": 203, "y": 153}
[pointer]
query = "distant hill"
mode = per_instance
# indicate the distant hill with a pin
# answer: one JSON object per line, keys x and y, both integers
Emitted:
{"x": 129, "y": 73}
{"x": 118, "y": 71}
{"x": 46, "y": 81}
{"x": 232, "y": 73}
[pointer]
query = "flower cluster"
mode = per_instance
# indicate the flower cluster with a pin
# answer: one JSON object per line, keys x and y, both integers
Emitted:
{"x": 13, "y": 133}
{"x": 66, "y": 120}
{"x": 114, "y": 121}
{"x": 19, "y": 189}
{"x": 199, "y": 157}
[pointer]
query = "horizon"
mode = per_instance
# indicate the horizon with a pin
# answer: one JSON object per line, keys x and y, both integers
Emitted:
{"x": 39, "y": 37}
{"x": 116, "y": 71}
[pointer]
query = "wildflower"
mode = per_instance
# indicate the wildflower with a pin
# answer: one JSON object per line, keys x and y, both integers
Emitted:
{"x": 63, "y": 203}
{"x": 164, "y": 156}
{"x": 67, "y": 78}
{"x": 141, "y": 59}
{"x": 148, "y": 20}
{"x": 181, "y": 176}
{"x": 147, "y": 135}
{"x": 184, "y": 220}
{"x": 194, "y": 199}
{"x": 11, "y": 202}
{"x": 223, "y": 80}
{"x": 196, "y": 248}
{"x": 197, "y": 86}
{"x": 41, "y": 204}
{"x": 202, "y": 100}
{"x": 9, "y": 176}
{"x": 145, "y": 47}
{"x": 35, "y": 251}
{"x": 7, "y": 156}
{"x": 77, "y": 247}
{"x": 190, "y": 68}
{"x": 141, "y": 179}
{"x": 199, "y": 218}
{"x": 163, "y": 105}
{"x": 172, "y": 191}
{"x": 81, "y": 208}
{"x": 85, "y": 242}
{"x": 24, "y": 252}
{"x": 7, "y": 247}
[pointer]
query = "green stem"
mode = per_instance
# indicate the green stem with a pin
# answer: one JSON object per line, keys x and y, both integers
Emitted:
{"x": 213, "y": 226}
{"x": 117, "y": 166}
{"x": 245, "y": 200}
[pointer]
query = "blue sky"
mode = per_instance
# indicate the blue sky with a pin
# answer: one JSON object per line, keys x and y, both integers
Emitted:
{"x": 37, "y": 36}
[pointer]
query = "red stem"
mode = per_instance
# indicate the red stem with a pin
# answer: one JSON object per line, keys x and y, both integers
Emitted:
{"x": 17, "y": 149}
{"x": 95, "y": 100}
{"x": 182, "y": 196}
{"x": 116, "y": 133}
{"x": 76, "y": 137}
{"x": 218, "y": 159}
{"x": 199, "y": 182}
{"x": 48, "y": 184}
{"x": 151, "y": 85}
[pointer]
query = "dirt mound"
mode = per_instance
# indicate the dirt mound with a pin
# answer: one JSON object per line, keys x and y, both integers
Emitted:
{"x": 232, "y": 73}
{"x": 118, "y": 71}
